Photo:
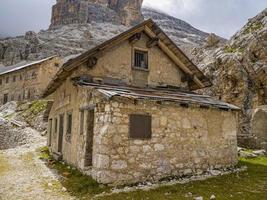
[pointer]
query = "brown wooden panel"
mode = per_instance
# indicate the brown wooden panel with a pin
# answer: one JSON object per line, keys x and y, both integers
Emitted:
{"x": 140, "y": 126}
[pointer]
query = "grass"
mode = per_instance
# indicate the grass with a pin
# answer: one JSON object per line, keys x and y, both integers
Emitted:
{"x": 76, "y": 183}
{"x": 247, "y": 185}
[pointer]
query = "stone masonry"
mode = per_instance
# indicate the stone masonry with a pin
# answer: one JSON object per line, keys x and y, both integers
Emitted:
{"x": 184, "y": 141}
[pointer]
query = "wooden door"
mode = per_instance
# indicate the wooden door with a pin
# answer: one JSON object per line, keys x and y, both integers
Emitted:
{"x": 60, "y": 133}
{"x": 89, "y": 139}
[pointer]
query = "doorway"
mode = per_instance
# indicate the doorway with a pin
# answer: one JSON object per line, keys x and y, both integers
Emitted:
{"x": 60, "y": 133}
{"x": 5, "y": 98}
{"x": 89, "y": 138}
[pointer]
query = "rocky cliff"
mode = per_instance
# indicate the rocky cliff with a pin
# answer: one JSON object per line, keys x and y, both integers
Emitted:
{"x": 86, "y": 11}
{"x": 238, "y": 69}
{"x": 75, "y": 29}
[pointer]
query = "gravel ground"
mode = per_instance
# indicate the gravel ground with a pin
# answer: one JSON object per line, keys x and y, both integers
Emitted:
{"x": 24, "y": 176}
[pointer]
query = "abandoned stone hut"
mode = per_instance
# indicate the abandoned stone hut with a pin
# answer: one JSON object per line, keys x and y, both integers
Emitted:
{"x": 27, "y": 80}
{"x": 125, "y": 112}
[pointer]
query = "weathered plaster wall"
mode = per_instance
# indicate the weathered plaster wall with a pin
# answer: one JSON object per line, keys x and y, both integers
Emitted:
{"x": 184, "y": 141}
{"x": 117, "y": 63}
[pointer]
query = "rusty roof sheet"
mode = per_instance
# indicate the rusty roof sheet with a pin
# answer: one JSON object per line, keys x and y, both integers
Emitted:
{"x": 181, "y": 97}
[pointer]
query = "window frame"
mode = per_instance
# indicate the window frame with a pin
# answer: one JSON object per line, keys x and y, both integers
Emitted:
{"x": 142, "y": 50}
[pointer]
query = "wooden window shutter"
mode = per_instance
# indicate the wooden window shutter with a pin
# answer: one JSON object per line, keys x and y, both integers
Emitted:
{"x": 140, "y": 126}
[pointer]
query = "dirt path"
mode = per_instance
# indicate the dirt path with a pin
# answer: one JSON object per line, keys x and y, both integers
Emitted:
{"x": 24, "y": 176}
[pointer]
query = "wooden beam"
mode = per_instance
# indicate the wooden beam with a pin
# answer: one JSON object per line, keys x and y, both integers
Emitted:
{"x": 153, "y": 42}
{"x": 136, "y": 37}
{"x": 174, "y": 57}
{"x": 92, "y": 61}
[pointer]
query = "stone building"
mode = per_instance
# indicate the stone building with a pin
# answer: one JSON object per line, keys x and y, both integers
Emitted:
{"x": 125, "y": 112}
{"x": 27, "y": 81}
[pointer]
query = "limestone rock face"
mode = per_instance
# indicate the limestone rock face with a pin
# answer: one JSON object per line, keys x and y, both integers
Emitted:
{"x": 237, "y": 69}
{"x": 126, "y": 12}
{"x": 72, "y": 33}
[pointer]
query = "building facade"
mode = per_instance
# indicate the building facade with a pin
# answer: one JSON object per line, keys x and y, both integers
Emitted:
{"x": 27, "y": 81}
{"x": 124, "y": 112}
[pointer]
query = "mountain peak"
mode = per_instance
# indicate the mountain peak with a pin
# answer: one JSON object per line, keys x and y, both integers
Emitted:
{"x": 125, "y": 12}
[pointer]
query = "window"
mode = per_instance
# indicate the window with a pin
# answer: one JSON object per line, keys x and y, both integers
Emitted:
{"x": 14, "y": 78}
{"x": 0, "y": 81}
{"x": 140, "y": 126}
{"x": 50, "y": 132}
{"x": 140, "y": 59}
{"x": 7, "y": 79}
{"x": 55, "y": 126}
{"x": 69, "y": 123}
{"x": 81, "y": 122}
{"x": 20, "y": 77}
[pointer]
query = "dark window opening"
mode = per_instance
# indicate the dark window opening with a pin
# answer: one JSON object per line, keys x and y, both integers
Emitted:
{"x": 7, "y": 79}
{"x": 5, "y": 98}
{"x": 69, "y": 123}
{"x": 55, "y": 126}
{"x": 50, "y": 132}
{"x": 0, "y": 81}
{"x": 14, "y": 78}
{"x": 141, "y": 59}
{"x": 20, "y": 77}
{"x": 140, "y": 126}
{"x": 81, "y": 122}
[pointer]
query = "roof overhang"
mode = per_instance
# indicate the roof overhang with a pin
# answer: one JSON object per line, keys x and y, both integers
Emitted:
{"x": 149, "y": 27}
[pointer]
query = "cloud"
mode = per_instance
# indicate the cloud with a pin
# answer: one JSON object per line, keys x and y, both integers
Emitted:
{"x": 223, "y": 17}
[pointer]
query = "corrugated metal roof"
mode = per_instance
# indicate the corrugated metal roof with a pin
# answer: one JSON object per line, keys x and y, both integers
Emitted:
{"x": 21, "y": 65}
{"x": 181, "y": 97}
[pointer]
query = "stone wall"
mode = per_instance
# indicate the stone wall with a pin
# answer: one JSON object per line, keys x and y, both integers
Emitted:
{"x": 184, "y": 141}
{"x": 162, "y": 70}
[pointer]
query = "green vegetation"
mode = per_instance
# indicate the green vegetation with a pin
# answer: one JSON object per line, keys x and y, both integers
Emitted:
{"x": 73, "y": 180}
{"x": 247, "y": 185}
{"x": 229, "y": 49}
{"x": 253, "y": 27}
{"x": 34, "y": 109}
{"x": 37, "y": 107}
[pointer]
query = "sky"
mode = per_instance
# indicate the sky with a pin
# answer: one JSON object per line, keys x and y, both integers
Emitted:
{"x": 223, "y": 17}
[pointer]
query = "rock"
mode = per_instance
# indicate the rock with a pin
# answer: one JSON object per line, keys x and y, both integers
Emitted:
{"x": 44, "y": 133}
{"x": 246, "y": 154}
{"x": 237, "y": 71}
{"x": 49, "y": 184}
{"x": 80, "y": 30}
{"x": 198, "y": 198}
{"x": 124, "y": 12}
{"x": 118, "y": 165}
{"x": 212, "y": 197}
{"x": 215, "y": 172}
{"x": 259, "y": 152}
{"x": 64, "y": 189}
{"x": 212, "y": 40}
